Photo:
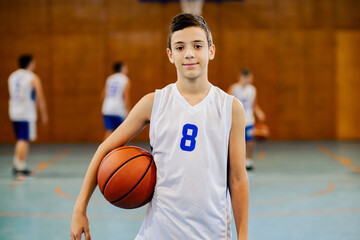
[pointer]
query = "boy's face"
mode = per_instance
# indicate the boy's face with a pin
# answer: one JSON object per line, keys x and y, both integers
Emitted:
{"x": 190, "y": 52}
{"x": 125, "y": 70}
{"x": 246, "y": 79}
{"x": 31, "y": 65}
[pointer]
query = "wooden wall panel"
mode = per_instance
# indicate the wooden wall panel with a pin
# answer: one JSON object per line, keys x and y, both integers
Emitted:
{"x": 137, "y": 50}
{"x": 347, "y": 14}
{"x": 348, "y": 85}
{"x": 23, "y": 17}
{"x": 302, "y": 53}
{"x": 244, "y": 48}
{"x": 304, "y": 75}
{"x": 78, "y": 16}
{"x": 78, "y": 73}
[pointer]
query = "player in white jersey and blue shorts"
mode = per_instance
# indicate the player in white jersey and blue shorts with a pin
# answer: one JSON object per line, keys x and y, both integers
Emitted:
{"x": 245, "y": 92}
{"x": 197, "y": 133}
{"x": 26, "y": 94}
{"x": 116, "y": 98}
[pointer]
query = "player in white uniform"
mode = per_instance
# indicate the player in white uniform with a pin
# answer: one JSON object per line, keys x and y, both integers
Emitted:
{"x": 197, "y": 132}
{"x": 246, "y": 93}
{"x": 115, "y": 106}
{"x": 25, "y": 95}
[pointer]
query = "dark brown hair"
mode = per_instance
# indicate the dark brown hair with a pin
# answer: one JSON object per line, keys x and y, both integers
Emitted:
{"x": 245, "y": 72}
{"x": 117, "y": 67}
{"x": 24, "y": 60}
{"x": 184, "y": 20}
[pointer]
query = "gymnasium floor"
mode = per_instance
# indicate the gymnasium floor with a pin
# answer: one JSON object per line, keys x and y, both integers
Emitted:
{"x": 299, "y": 190}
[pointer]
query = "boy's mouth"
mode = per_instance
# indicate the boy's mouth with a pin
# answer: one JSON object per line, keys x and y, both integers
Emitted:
{"x": 189, "y": 64}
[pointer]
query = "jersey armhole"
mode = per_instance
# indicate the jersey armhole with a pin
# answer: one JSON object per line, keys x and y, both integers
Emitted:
{"x": 154, "y": 113}
{"x": 229, "y": 111}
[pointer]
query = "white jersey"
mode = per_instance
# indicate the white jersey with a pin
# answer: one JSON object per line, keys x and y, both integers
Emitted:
{"x": 114, "y": 103}
{"x": 190, "y": 149}
{"x": 246, "y": 96}
{"x": 22, "y": 104}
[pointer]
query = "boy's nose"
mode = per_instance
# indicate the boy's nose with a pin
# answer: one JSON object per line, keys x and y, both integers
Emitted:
{"x": 189, "y": 53}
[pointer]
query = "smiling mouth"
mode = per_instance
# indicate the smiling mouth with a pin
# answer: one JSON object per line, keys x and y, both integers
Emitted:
{"x": 190, "y": 64}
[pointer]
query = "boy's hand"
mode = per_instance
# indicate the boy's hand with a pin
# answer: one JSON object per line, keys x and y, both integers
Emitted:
{"x": 261, "y": 116}
{"x": 79, "y": 225}
{"x": 44, "y": 119}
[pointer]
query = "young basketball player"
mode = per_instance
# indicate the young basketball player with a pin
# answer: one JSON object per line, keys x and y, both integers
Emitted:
{"x": 25, "y": 95}
{"x": 246, "y": 93}
{"x": 197, "y": 135}
{"x": 116, "y": 98}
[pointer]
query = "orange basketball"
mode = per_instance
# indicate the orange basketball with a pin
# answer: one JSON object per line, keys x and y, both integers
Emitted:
{"x": 261, "y": 131}
{"x": 127, "y": 176}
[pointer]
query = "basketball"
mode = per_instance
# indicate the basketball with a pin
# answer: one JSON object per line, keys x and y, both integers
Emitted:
{"x": 127, "y": 176}
{"x": 261, "y": 131}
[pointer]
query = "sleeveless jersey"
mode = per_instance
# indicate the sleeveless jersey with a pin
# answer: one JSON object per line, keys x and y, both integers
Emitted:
{"x": 114, "y": 97}
{"x": 22, "y": 105}
{"x": 190, "y": 149}
{"x": 246, "y": 95}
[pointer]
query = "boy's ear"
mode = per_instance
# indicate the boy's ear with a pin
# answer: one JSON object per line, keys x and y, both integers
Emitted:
{"x": 212, "y": 52}
{"x": 169, "y": 53}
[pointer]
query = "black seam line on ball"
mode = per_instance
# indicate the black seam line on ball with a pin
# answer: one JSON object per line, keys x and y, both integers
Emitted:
{"x": 151, "y": 160}
{"x": 119, "y": 149}
{"x": 103, "y": 190}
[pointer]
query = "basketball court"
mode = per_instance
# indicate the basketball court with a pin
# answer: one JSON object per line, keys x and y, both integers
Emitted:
{"x": 304, "y": 56}
{"x": 299, "y": 190}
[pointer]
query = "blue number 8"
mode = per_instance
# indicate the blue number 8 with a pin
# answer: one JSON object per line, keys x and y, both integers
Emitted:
{"x": 188, "y": 141}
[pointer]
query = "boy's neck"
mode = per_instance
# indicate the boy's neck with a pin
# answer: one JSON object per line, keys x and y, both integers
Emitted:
{"x": 243, "y": 84}
{"x": 193, "y": 86}
{"x": 193, "y": 90}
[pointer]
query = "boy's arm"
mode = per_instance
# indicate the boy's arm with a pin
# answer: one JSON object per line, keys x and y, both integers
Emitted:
{"x": 40, "y": 98}
{"x": 238, "y": 179}
{"x": 258, "y": 111}
{"x": 103, "y": 93}
{"x": 134, "y": 123}
{"x": 230, "y": 90}
{"x": 127, "y": 96}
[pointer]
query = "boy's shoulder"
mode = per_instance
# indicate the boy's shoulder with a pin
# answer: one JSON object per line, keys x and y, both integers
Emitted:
{"x": 222, "y": 95}
{"x": 247, "y": 87}
{"x": 252, "y": 87}
{"x": 168, "y": 89}
{"x": 23, "y": 73}
{"x": 117, "y": 76}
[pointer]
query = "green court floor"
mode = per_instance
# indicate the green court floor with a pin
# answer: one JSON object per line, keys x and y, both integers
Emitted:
{"x": 299, "y": 190}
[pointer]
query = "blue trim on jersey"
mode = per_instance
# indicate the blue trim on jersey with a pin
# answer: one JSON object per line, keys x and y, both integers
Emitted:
{"x": 33, "y": 94}
{"x": 249, "y": 132}
{"x": 22, "y": 130}
{"x": 111, "y": 122}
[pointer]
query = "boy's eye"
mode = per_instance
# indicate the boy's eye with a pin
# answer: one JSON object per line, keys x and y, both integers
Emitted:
{"x": 198, "y": 46}
{"x": 179, "y": 48}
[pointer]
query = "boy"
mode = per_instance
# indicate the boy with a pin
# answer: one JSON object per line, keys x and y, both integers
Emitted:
{"x": 116, "y": 98}
{"x": 246, "y": 93}
{"x": 25, "y": 95}
{"x": 197, "y": 135}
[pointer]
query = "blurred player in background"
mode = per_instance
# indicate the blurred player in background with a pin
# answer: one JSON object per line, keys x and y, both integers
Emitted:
{"x": 116, "y": 102}
{"x": 246, "y": 93}
{"x": 26, "y": 94}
